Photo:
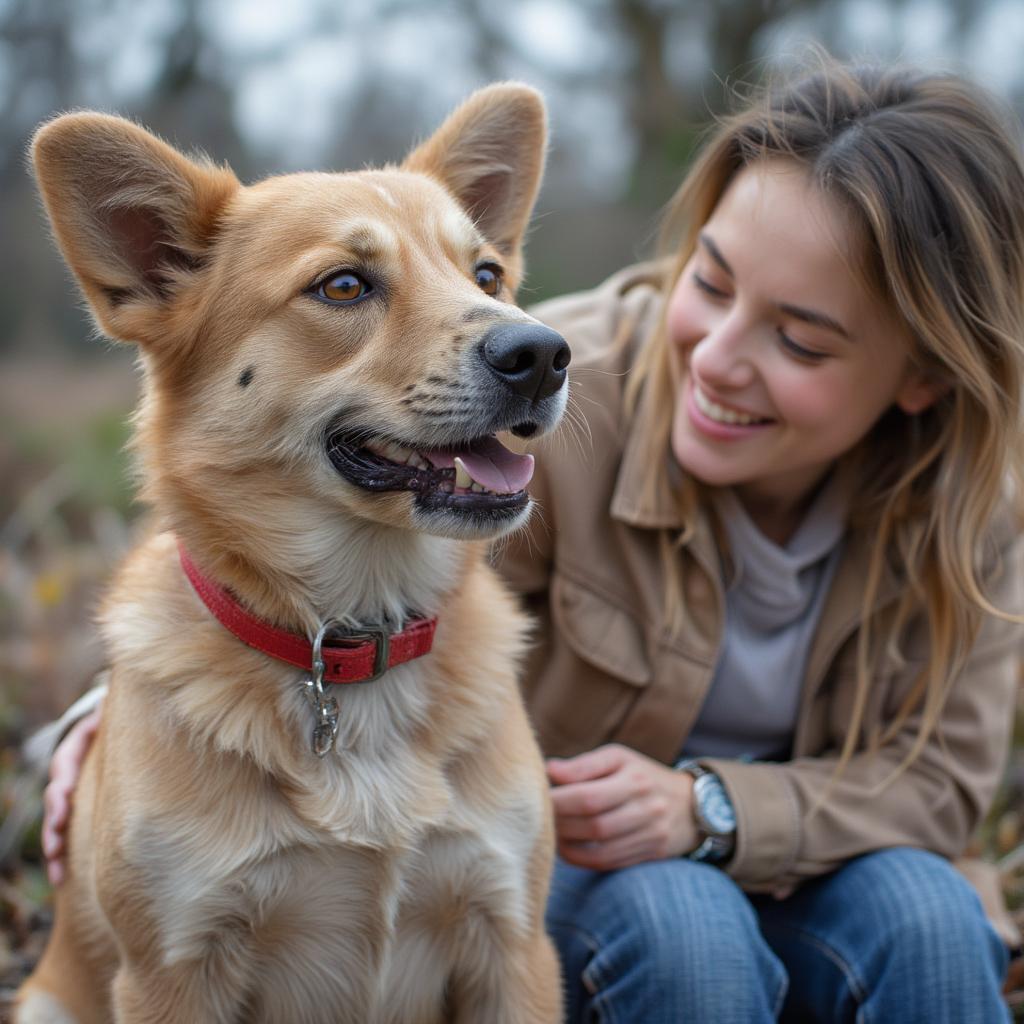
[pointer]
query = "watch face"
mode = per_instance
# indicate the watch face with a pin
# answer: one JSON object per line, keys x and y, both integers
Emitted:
{"x": 714, "y": 804}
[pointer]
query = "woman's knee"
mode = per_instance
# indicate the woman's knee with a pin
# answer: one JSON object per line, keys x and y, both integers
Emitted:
{"x": 912, "y": 906}
{"x": 937, "y": 919}
{"x": 658, "y": 904}
{"x": 672, "y": 927}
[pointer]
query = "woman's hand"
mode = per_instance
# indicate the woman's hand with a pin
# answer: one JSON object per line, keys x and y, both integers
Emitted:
{"x": 65, "y": 768}
{"x": 615, "y": 807}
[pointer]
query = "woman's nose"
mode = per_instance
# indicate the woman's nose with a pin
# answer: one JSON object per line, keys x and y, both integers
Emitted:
{"x": 723, "y": 357}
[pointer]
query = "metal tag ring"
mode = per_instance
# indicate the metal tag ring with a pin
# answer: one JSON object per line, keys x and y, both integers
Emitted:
{"x": 318, "y": 658}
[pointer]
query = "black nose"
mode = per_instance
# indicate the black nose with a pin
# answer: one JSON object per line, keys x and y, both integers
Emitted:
{"x": 530, "y": 359}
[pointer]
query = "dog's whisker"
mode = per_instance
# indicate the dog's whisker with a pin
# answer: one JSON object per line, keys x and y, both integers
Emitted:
{"x": 575, "y": 427}
{"x": 458, "y": 417}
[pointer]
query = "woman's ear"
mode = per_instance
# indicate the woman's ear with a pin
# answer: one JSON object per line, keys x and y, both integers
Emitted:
{"x": 920, "y": 391}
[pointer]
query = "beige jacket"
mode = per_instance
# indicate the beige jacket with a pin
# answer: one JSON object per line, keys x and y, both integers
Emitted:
{"x": 606, "y": 668}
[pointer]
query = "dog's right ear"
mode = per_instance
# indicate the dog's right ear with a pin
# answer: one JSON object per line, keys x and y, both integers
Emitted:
{"x": 133, "y": 217}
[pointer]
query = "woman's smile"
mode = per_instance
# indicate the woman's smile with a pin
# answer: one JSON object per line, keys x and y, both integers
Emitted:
{"x": 718, "y": 420}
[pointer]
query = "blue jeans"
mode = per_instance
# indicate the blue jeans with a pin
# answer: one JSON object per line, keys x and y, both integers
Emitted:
{"x": 893, "y": 937}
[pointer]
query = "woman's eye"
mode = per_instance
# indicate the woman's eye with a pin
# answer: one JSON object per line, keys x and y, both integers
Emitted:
{"x": 807, "y": 354}
{"x": 488, "y": 278}
{"x": 709, "y": 288}
{"x": 344, "y": 287}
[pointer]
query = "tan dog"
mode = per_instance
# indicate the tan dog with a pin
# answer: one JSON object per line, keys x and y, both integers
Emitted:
{"x": 327, "y": 358}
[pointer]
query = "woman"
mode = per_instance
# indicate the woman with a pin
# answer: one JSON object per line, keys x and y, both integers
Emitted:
{"x": 775, "y": 579}
{"x": 781, "y": 567}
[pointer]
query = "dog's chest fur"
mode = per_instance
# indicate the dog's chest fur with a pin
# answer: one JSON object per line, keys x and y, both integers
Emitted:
{"x": 318, "y": 927}
{"x": 360, "y": 878}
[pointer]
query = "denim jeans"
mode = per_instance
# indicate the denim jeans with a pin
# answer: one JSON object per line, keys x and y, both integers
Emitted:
{"x": 893, "y": 937}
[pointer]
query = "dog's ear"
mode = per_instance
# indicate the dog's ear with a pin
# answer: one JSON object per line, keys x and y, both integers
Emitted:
{"x": 490, "y": 154}
{"x": 133, "y": 217}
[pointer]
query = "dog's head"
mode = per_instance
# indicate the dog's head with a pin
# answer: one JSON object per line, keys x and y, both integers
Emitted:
{"x": 348, "y": 340}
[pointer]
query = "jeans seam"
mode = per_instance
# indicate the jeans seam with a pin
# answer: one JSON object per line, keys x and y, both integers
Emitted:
{"x": 591, "y": 971}
{"x": 603, "y": 1009}
{"x": 780, "y": 997}
{"x": 857, "y": 986}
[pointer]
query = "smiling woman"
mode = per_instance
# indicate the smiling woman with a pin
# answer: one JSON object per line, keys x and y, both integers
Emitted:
{"x": 779, "y": 703}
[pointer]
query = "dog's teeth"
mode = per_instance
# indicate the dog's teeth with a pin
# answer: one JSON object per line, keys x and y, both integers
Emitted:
{"x": 418, "y": 462}
{"x": 392, "y": 452}
{"x": 462, "y": 477}
{"x": 478, "y": 489}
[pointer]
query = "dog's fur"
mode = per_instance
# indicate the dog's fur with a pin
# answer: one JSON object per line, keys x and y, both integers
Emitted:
{"x": 219, "y": 871}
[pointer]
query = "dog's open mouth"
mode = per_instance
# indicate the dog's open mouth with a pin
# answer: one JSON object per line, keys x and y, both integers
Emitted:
{"x": 480, "y": 476}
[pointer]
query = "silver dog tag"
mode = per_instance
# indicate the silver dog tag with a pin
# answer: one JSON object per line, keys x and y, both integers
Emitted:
{"x": 325, "y": 726}
{"x": 326, "y": 730}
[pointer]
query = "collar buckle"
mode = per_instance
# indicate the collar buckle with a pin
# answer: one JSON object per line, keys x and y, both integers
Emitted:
{"x": 380, "y": 636}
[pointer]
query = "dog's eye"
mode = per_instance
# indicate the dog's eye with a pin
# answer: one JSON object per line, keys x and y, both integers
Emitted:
{"x": 344, "y": 287}
{"x": 488, "y": 278}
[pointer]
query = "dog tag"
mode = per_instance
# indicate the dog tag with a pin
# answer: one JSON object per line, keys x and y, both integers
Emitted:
{"x": 325, "y": 729}
{"x": 324, "y": 733}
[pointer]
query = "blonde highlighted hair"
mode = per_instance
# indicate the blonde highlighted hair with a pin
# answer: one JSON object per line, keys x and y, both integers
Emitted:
{"x": 928, "y": 169}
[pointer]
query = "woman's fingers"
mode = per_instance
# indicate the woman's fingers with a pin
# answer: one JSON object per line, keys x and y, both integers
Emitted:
{"x": 591, "y": 798}
{"x": 601, "y": 827}
{"x": 65, "y": 769}
{"x": 594, "y": 764}
{"x": 622, "y": 852}
{"x": 55, "y": 813}
{"x": 615, "y": 807}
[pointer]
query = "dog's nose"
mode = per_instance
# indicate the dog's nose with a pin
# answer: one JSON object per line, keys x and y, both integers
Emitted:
{"x": 529, "y": 358}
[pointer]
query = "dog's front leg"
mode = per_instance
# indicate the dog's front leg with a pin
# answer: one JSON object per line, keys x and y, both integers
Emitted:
{"x": 517, "y": 986}
{"x": 210, "y": 991}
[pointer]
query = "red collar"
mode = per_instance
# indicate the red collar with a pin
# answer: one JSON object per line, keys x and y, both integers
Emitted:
{"x": 369, "y": 652}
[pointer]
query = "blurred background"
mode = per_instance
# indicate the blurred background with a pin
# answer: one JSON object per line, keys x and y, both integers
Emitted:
{"x": 312, "y": 84}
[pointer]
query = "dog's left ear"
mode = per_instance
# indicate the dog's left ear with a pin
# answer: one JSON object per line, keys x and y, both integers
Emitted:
{"x": 490, "y": 154}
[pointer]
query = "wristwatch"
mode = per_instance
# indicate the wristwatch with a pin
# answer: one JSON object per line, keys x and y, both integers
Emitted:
{"x": 714, "y": 814}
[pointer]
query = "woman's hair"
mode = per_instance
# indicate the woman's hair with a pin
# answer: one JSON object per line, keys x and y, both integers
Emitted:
{"x": 928, "y": 170}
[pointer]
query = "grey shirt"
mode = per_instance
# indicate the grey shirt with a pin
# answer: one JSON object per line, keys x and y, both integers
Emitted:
{"x": 773, "y": 604}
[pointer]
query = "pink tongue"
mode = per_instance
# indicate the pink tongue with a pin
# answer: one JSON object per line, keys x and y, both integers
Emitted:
{"x": 490, "y": 464}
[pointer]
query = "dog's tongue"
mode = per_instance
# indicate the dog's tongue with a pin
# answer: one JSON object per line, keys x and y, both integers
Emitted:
{"x": 490, "y": 464}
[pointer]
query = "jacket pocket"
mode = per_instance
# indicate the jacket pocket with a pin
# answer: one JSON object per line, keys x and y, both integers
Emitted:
{"x": 597, "y": 666}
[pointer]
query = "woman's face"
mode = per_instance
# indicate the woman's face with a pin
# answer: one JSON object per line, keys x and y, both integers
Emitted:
{"x": 784, "y": 359}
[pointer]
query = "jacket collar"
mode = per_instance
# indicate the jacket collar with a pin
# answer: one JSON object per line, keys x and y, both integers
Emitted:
{"x": 631, "y": 503}
{"x": 660, "y": 509}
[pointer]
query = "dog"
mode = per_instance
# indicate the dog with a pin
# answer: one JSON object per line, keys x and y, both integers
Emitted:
{"x": 315, "y": 795}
